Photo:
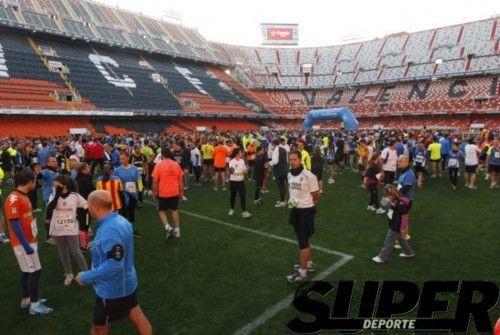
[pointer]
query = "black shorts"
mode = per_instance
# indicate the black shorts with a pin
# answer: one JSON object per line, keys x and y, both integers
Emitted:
{"x": 491, "y": 168}
{"x": 165, "y": 204}
{"x": 471, "y": 168}
{"x": 107, "y": 311}
{"x": 302, "y": 220}
{"x": 217, "y": 169}
{"x": 319, "y": 175}
{"x": 330, "y": 162}
{"x": 208, "y": 162}
{"x": 420, "y": 169}
{"x": 436, "y": 160}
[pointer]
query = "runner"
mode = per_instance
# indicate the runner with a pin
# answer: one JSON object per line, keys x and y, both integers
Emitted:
{"x": 389, "y": 159}
{"x": 132, "y": 184}
{"x": 220, "y": 153}
{"x": 472, "y": 152}
{"x": 168, "y": 190}
{"x": 304, "y": 195}
{"x": 237, "y": 170}
{"x": 455, "y": 156}
{"x": 398, "y": 225}
{"x": 435, "y": 154}
{"x": 23, "y": 232}
{"x": 113, "y": 272}
{"x": 494, "y": 163}
{"x": 3, "y": 237}
{"x": 62, "y": 216}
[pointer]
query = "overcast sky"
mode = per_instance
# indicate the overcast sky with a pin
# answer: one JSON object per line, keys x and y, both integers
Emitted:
{"x": 321, "y": 22}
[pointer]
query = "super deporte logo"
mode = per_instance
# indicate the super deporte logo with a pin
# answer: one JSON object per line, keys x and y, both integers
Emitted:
{"x": 396, "y": 306}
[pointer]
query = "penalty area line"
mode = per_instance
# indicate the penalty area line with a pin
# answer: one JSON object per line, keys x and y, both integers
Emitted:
{"x": 281, "y": 305}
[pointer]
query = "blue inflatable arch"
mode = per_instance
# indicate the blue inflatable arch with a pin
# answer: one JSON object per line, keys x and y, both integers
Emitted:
{"x": 344, "y": 114}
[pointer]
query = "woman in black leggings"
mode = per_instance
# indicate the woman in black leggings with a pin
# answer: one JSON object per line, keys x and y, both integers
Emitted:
{"x": 237, "y": 170}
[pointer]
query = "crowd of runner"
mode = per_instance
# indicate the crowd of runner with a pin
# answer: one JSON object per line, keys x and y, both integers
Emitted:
{"x": 162, "y": 167}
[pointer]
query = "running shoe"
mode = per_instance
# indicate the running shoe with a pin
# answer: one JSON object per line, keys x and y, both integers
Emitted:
{"x": 41, "y": 309}
{"x": 246, "y": 215}
{"x": 4, "y": 239}
{"x": 27, "y": 304}
{"x": 296, "y": 277}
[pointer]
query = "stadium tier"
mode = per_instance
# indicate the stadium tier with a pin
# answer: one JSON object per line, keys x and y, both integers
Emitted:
{"x": 86, "y": 59}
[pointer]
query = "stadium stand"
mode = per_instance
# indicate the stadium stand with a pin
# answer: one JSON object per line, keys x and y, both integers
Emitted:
{"x": 86, "y": 57}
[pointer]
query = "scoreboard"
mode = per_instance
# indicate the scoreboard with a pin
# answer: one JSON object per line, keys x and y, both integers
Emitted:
{"x": 280, "y": 33}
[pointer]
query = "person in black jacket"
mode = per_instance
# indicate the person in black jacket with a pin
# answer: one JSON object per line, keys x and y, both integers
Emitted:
{"x": 317, "y": 166}
{"x": 259, "y": 167}
{"x": 85, "y": 187}
{"x": 398, "y": 224}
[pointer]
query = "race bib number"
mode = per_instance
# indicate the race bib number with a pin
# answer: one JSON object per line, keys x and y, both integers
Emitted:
{"x": 419, "y": 159}
{"x": 130, "y": 187}
{"x": 64, "y": 224}
{"x": 453, "y": 163}
{"x": 390, "y": 212}
{"x": 497, "y": 154}
{"x": 34, "y": 228}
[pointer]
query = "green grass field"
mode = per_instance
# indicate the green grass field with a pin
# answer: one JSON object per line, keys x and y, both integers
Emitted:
{"x": 216, "y": 278}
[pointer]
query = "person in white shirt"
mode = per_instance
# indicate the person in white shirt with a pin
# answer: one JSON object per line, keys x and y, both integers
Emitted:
{"x": 196, "y": 163}
{"x": 237, "y": 170}
{"x": 389, "y": 157}
{"x": 61, "y": 214}
{"x": 472, "y": 152}
{"x": 304, "y": 194}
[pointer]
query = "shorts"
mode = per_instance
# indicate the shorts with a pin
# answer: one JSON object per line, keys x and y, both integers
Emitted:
{"x": 27, "y": 263}
{"x": 491, "y": 168}
{"x": 319, "y": 175}
{"x": 220, "y": 169}
{"x": 208, "y": 162}
{"x": 330, "y": 162}
{"x": 302, "y": 220}
{"x": 165, "y": 204}
{"x": 107, "y": 311}
{"x": 471, "y": 168}
{"x": 420, "y": 169}
{"x": 436, "y": 160}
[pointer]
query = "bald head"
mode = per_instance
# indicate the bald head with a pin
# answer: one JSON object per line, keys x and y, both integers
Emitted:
{"x": 100, "y": 203}
{"x": 403, "y": 161}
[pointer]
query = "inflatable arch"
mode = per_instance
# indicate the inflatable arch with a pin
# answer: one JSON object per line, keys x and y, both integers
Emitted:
{"x": 344, "y": 114}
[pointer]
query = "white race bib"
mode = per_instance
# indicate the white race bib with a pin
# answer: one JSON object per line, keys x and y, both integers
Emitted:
{"x": 64, "y": 224}
{"x": 130, "y": 187}
{"x": 497, "y": 154}
{"x": 390, "y": 212}
{"x": 453, "y": 163}
{"x": 419, "y": 159}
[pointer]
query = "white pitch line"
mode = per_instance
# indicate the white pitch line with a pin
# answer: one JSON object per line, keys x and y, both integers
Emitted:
{"x": 281, "y": 305}
{"x": 258, "y": 232}
{"x": 262, "y": 233}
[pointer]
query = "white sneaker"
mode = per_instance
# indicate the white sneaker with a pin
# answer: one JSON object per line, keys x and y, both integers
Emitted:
{"x": 380, "y": 211}
{"x": 246, "y": 215}
{"x": 371, "y": 208}
{"x": 68, "y": 280}
{"x": 378, "y": 260}
{"x": 473, "y": 187}
{"x": 215, "y": 188}
{"x": 231, "y": 212}
{"x": 280, "y": 204}
{"x": 184, "y": 198}
{"x": 403, "y": 255}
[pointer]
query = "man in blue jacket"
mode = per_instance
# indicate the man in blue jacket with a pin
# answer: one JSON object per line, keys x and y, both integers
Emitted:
{"x": 113, "y": 272}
